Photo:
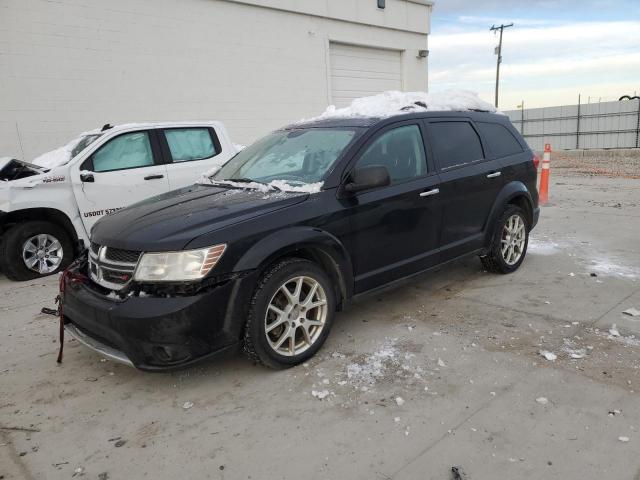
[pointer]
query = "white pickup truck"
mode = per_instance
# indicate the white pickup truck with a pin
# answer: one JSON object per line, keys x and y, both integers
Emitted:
{"x": 47, "y": 208}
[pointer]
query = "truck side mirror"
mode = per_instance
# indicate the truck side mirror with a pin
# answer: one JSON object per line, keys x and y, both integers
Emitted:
{"x": 87, "y": 177}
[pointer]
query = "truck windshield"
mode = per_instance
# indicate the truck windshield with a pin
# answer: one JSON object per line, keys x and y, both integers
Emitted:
{"x": 293, "y": 156}
{"x": 83, "y": 143}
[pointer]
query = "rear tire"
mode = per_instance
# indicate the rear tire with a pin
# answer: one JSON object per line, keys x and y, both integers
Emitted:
{"x": 509, "y": 244}
{"x": 285, "y": 329}
{"x": 18, "y": 242}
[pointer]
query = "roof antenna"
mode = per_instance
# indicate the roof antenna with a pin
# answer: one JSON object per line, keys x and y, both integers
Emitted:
{"x": 106, "y": 126}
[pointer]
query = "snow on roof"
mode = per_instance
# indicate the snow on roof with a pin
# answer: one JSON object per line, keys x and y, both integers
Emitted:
{"x": 392, "y": 102}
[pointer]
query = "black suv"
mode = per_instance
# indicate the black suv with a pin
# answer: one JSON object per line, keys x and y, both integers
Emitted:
{"x": 262, "y": 254}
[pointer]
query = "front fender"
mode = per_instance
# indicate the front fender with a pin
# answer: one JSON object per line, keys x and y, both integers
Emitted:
{"x": 510, "y": 191}
{"x": 293, "y": 239}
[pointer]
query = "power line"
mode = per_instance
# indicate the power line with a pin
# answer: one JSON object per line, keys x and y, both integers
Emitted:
{"x": 499, "y": 53}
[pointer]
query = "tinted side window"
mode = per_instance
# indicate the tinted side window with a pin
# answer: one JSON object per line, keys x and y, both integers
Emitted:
{"x": 500, "y": 139}
{"x": 188, "y": 144}
{"x": 400, "y": 150}
{"x": 454, "y": 143}
{"x": 129, "y": 150}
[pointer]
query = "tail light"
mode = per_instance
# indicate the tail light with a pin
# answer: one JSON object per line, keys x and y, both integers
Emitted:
{"x": 536, "y": 161}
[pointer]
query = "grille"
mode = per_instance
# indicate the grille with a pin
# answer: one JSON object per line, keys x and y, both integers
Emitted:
{"x": 123, "y": 256}
{"x": 112, "y": 268}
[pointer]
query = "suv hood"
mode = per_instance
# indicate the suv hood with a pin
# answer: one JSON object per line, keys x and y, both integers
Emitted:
{"x": 170, "y": 221}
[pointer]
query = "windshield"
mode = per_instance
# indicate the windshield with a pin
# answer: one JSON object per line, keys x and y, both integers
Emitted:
{"x": 83, "y": 143}
{"x": 293, "y": 157}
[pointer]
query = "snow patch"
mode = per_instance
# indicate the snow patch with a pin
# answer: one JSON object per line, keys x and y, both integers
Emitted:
{"x": 542, "y": 247}
{"x": 393, "y": 102}
{"x": 374, "y": 366}
{"x": 262, "y": 187}
{"x": 61, "y": 155}
{"x": 320, "y": 394}
{"x": 608, "y": 267}
{"x": 548, "y": 355}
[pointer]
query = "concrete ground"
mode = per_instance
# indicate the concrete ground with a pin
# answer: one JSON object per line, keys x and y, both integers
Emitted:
{"x": 440, "y": 372}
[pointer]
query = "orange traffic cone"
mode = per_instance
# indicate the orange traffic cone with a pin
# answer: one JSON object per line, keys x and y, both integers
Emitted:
{"x": 543, "y": 196}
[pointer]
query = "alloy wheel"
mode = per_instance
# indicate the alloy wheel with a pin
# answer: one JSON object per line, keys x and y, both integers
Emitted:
{"x": 42, "y": 253}
{"x": 514, "y": 235}
{"x": 296, "y": 316}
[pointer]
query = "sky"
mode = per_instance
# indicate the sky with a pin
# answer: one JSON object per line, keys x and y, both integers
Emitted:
{"x": 555, "y": 50}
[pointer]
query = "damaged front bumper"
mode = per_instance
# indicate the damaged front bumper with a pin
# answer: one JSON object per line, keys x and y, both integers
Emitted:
{"x": 156, "y": 333}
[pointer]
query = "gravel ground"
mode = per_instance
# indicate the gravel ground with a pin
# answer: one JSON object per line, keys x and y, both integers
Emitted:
{"x": 444, "y": 370}
{"x": 623, "y": 163}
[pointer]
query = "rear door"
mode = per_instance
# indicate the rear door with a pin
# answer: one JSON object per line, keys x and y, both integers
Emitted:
{"x": 394, "y": 229}
{"x": 470, "y": 183}
{"x": 189, "y": 152}
{"x": 124, "y": 170}
{"x": 512, "y": 154}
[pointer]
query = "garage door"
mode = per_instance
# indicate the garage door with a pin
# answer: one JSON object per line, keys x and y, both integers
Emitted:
{"x": 361, "y": 71}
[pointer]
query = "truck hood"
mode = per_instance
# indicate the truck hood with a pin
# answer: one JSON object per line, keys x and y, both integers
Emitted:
{"x": 12, "y": 169}
{"x": 170, "y": 221}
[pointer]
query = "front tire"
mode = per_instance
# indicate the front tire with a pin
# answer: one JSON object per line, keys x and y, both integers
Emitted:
{"x": 290, "y": 315}
{"x": 509, "y": 243}
{"x": 34, "y": 249}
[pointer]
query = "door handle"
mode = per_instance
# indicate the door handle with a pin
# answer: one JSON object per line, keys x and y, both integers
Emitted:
{"x": 428, "y": 193}
{"x": 494, "y": 174}
{"x": 153, "y": 177}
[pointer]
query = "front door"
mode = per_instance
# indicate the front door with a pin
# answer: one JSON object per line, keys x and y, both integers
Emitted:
{"x": 470, "y": 184}
{"x": 122, "y": 171}
{"x": 394, "y": 229}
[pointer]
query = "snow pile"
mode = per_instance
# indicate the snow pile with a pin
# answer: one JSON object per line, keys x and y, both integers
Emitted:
{"x": 396, "y": 103}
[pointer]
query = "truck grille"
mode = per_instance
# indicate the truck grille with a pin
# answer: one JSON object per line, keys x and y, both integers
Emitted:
{"x": 112, "y": 268}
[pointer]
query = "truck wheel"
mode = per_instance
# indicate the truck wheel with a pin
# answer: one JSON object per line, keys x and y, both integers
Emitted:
{"x": 290, "y": 314}
{"x": 34, "y": 249}
{"x": 509, "y": 245}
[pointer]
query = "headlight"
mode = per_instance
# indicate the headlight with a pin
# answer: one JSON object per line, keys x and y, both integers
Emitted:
{"x": 178, "y": 266}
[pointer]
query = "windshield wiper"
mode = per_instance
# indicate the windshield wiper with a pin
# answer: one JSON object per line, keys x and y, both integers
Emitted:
{"x": 249, "y": 180}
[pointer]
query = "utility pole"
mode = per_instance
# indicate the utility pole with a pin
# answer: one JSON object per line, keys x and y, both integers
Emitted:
{"x": 498, "y": 52}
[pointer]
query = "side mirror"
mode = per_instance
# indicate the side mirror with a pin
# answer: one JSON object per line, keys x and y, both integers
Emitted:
{"x": 87, "y": 177}
{"x": 368, "y": 177}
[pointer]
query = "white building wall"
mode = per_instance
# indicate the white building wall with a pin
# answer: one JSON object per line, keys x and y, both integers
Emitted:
{"x": 72, "y": 65}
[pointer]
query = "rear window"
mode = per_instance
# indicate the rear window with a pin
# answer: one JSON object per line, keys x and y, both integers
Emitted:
{"x": 455, "y": 143}
{"x": 501, "y": 141}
